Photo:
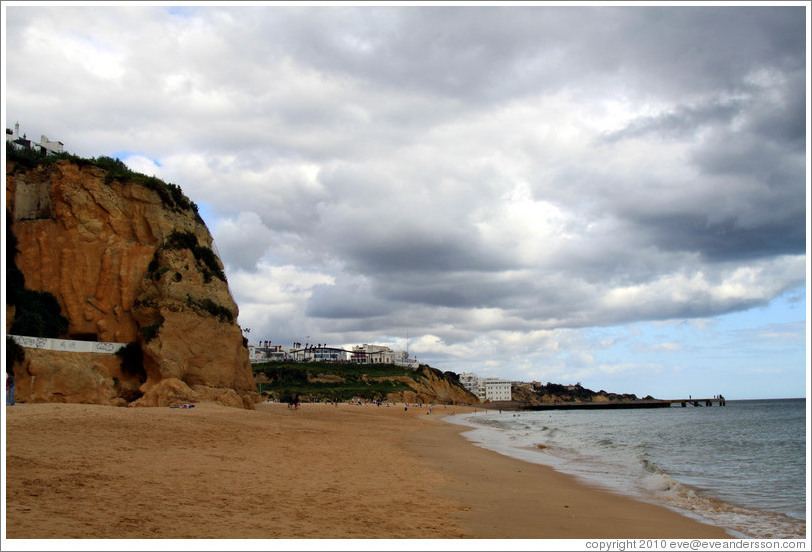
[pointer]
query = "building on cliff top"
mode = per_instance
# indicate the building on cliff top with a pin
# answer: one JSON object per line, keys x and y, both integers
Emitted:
{"x": 360, "y": 354}
{"x": 48, "y": 146}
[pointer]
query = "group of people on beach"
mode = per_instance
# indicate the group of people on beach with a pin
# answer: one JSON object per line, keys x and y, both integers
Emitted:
{"x": 293, "y": 404}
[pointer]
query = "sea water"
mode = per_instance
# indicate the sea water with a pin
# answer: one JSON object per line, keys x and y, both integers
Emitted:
{"x": 741, "y": 466}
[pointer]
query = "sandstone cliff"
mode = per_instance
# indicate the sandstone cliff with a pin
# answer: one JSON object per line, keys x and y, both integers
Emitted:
{"x": 128, "y": 260}
{"x": 430, "y": 386}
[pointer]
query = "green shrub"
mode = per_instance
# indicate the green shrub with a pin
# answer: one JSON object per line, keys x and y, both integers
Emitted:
{"x": 209, "y": 259}
{"x": 187, "y": 240}
{"x": 26, "y": 157}
{"x": 215, "y": 310}
{"x": 116, "y": 169}
{"x": 181, "y": 240}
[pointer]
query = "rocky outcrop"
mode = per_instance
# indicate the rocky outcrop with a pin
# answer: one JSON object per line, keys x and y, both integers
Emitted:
{"x": 129, "y": 261}
{"x": 431, "y": 386}
{"x": 556, "y": 393}
{"x": 64, "y": 377}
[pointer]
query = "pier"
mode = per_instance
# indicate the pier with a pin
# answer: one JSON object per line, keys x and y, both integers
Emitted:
{"x": 643, "y": 403}
{"x": 720, "y": 400}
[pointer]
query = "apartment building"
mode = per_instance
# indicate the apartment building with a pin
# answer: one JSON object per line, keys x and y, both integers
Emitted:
{"x": 487, "y": 389}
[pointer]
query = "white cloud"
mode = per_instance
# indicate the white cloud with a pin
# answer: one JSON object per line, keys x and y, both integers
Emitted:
{"x": 663, "y": 347}
{"x": 242, "y": 241}
{"x": 143, "y": 165}
{"x": 630, "y": 367}
{"x": 275, "y": 285}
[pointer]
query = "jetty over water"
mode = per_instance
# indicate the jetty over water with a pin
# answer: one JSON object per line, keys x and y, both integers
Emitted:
{"x": 643, "y": 403}
{"x": 720, "y": 400}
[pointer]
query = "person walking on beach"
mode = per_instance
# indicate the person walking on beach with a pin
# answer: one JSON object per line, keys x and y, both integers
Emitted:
{"x": 10, "y": 387}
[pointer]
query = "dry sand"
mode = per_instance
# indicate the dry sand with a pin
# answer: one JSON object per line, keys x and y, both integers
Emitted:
{"x": 321, "y": 472}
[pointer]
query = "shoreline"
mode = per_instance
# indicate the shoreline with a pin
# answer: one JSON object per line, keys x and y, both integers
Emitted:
{"x": 652, "y": 472}
{"x": 528, "y": 500}
{"x": 76, "y": 471}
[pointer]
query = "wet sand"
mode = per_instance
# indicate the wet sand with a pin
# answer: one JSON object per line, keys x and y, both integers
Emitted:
{"x": 320, "y": 472}
{"x": 510, "y": 498}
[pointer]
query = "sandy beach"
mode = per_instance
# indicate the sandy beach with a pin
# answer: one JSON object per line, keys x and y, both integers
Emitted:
{"x": 321, "y": 472}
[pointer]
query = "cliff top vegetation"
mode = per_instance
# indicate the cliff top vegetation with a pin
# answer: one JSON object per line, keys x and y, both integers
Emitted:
{"x": 341, "y": 381}
{"x": 171, "y": 194}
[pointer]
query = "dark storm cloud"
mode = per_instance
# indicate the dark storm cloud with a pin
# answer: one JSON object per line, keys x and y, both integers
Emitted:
{"x": 685, "y": 121}
{"x": 493, "y": 53}
{"x": 781, "y": 115}
{"x": 437, "y": 50}
{"x": 458, "y": 289}
{"x": 725, "y": 240}
{"x": 673, "y": 51}
{"x": 750, "y": 199}
{"x": 411, "y": 253}
{"x": 346, "y": 300}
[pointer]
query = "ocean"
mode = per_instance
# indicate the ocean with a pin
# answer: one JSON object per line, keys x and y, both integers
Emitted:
{"x": 741, "y": 466}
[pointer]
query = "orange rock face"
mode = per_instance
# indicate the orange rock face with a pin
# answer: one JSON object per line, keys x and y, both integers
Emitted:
{"x": 102, "y": 248}
{"x": 432, "y": 389}
{"x": 63, "y": 377}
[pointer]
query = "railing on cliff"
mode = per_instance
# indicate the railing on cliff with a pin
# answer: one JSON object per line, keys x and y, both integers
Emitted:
{"x": 68, "y": 345}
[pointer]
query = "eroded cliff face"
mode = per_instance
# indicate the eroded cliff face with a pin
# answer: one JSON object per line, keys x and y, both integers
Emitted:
{"x": 126, "y": 264}
{"x": 431, "y": 388}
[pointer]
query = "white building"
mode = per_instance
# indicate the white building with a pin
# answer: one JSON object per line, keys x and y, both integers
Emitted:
{"x": 380, "y": 354}
{"x": 48, "y": 146}
{"x": 470, "y": 382}
{"x": 267, "y": 353}
{"x": 487, "y": 389}
{"x": 497, "y": 389}
{"x": 318, "y": 353}
{"x": 19, "y": 142}
{"x": 360, "y": 354}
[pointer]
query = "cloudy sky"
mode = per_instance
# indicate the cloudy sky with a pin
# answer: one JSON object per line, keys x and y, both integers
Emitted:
{"x": 608, "y": 195}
